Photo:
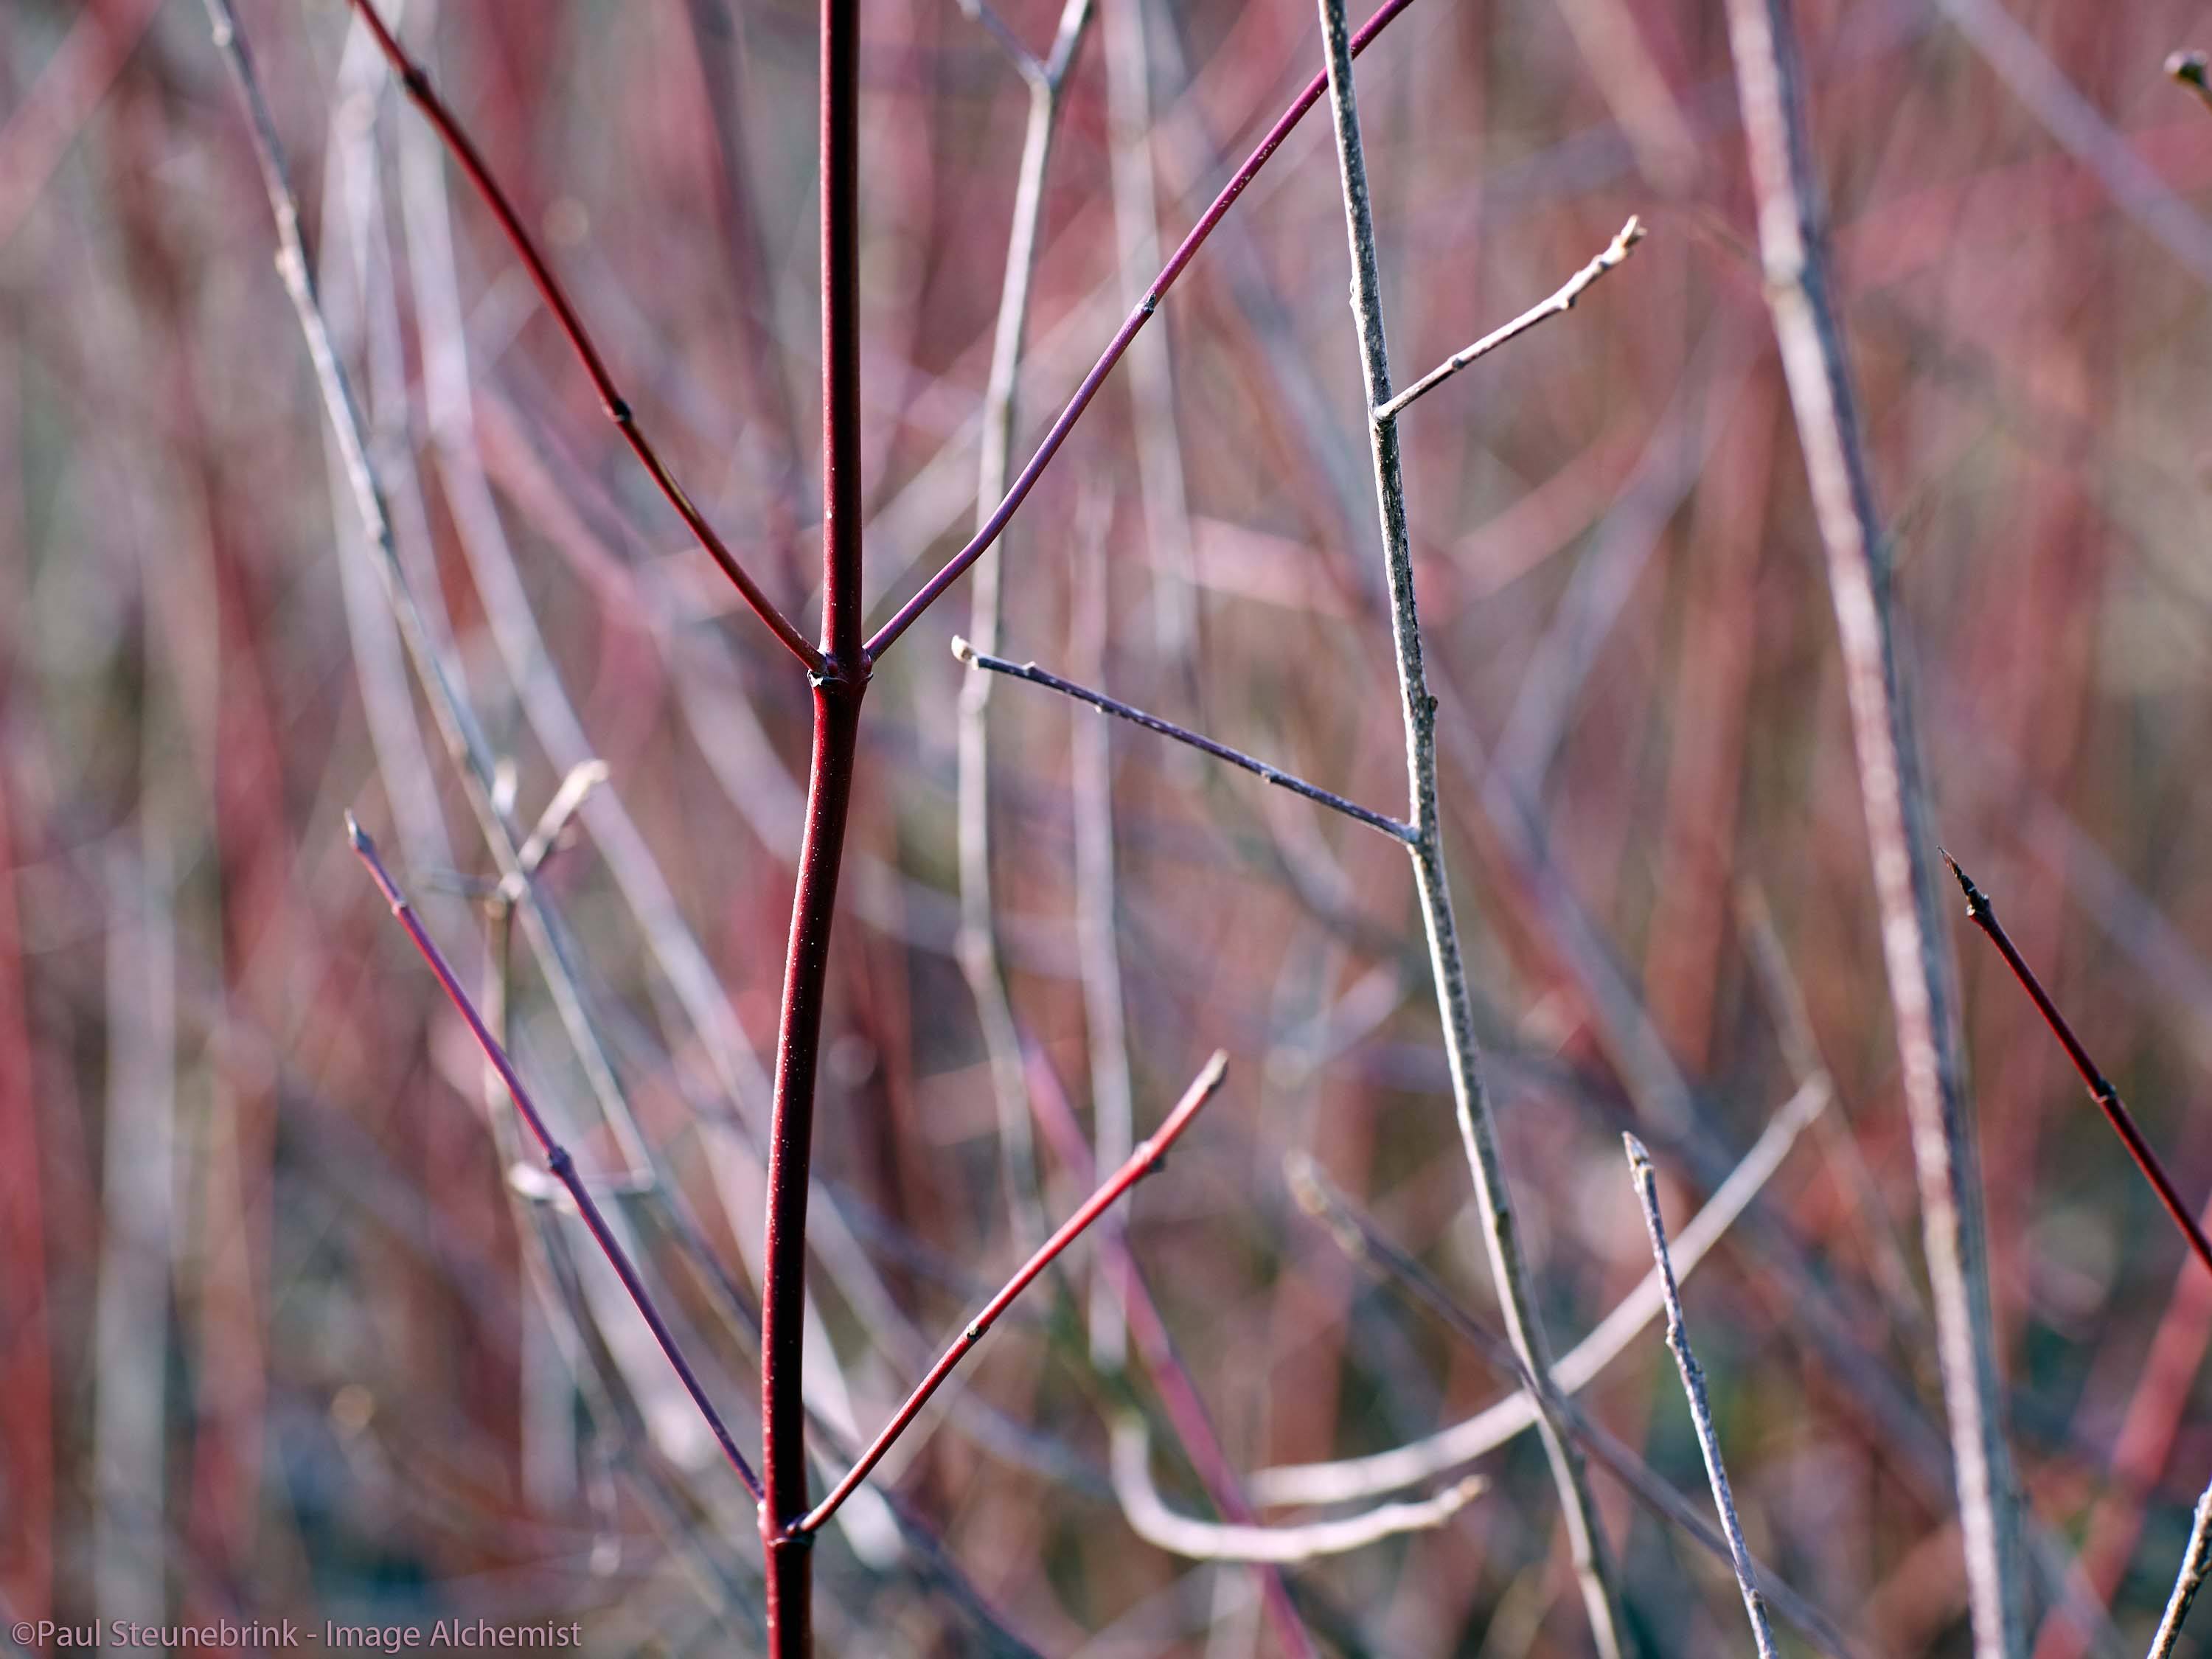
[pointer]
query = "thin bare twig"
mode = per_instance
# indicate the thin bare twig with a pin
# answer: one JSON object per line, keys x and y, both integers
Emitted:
{"x": 1455, "y": 1003}
{"x": 1693, "y": 1385}
{"x": 2196, "y": 1567}
{"x": 1616, "y": 252}
{"x": 1140, "y": 1164}
{"x": 981, "y": 960}
{"x": 557, "y": 1159}
{"x": 1984, "y": 915}
{"x": 1283, "y": 1546}
{"x": 1036, "y": 675}
{"x": 416, "y": 83}
{"x": 1762, "y": 38}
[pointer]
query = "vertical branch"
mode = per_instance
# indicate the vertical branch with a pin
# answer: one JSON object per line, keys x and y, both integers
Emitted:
{"x": 979, "y": 957}
{"x": 837, "y": 692}
{"x": 1790, "y": 232}
{"x": 1477, "y": 1131}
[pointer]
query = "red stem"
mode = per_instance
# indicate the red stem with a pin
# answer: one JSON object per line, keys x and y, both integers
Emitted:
{"x": 839, "y": 684}
{"x": 1140, "y": 1164}
{"x": 557, "y": 1159}
{"x": 456, "y": 138}
{"x": 1984, "y": 915}
{"x": 1136, "y": 319}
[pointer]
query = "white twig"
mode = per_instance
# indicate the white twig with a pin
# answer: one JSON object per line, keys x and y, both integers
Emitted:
{"x": 980, "y": 959}
{"x": 1693, "y": 1385}
{"x": 2196, "y": 1566}
{"x": 1616, "y": 252}
{"x": 1152, "y": 1520}
{"x": 1915, "y": 950}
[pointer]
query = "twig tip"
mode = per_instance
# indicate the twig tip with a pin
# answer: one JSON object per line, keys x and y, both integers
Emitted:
{"x": 359, "y": 836}
{"x": 2188, "y": 68}
{"x": 1639, "y": 1159}
{"x": 962, "y": 651}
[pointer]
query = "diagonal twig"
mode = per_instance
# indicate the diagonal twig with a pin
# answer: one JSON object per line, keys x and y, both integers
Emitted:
{"x": 2196, "y": 1567}
{"x": 1984, "y": 915}
{"x": 1141, "y": 1163}
{"x": 416, "y": 83}
{"x": 1036, "y": 675}
{"x": 557, "y": 1158}
{"x": 1693, "y": 1385}
{"x": 1616, "y": 252}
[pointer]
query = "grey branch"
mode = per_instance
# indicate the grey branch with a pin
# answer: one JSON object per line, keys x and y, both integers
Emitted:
{"x": 1036, "y": 675}
{"x": 1693, "y": 1385}
{"x": 1616, "y": 252}
{"x": 1454, "y": 1001}
{"x": 2196, "y": 1566}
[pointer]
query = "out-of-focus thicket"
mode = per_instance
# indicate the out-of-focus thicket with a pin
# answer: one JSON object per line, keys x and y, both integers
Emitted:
{"x": 289, "y": 1327}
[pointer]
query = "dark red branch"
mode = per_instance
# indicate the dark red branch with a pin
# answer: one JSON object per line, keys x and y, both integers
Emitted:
{"x": 416, "y": 83}
{"x": 557, "y": 1159}
{"x": 839, "y": 684}
{"x": 1984, "y": 915}
{"x": 1136, "y": 319}
{"x": 1140, "y": 1164}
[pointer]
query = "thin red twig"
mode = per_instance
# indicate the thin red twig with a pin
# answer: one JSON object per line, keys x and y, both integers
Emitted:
{"x": 881, "y": 640}
{"x": 557, "y": 1159}
{"x": 416, "y": 83}
{"x": 1140, "y": 1164}
{"x": 1984, "y": 915}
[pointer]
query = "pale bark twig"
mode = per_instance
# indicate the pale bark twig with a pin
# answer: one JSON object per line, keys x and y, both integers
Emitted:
{"x": 1515, "y": 1290}
{"x": 1791, "y": 232}
{"x": 2196, "y": 1567}
{"x": 980, "y": 959}
{"x": 1281, "y": 1546}
{"x": 1616, "y": 252}
{"x": 1693, "y": 1386}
